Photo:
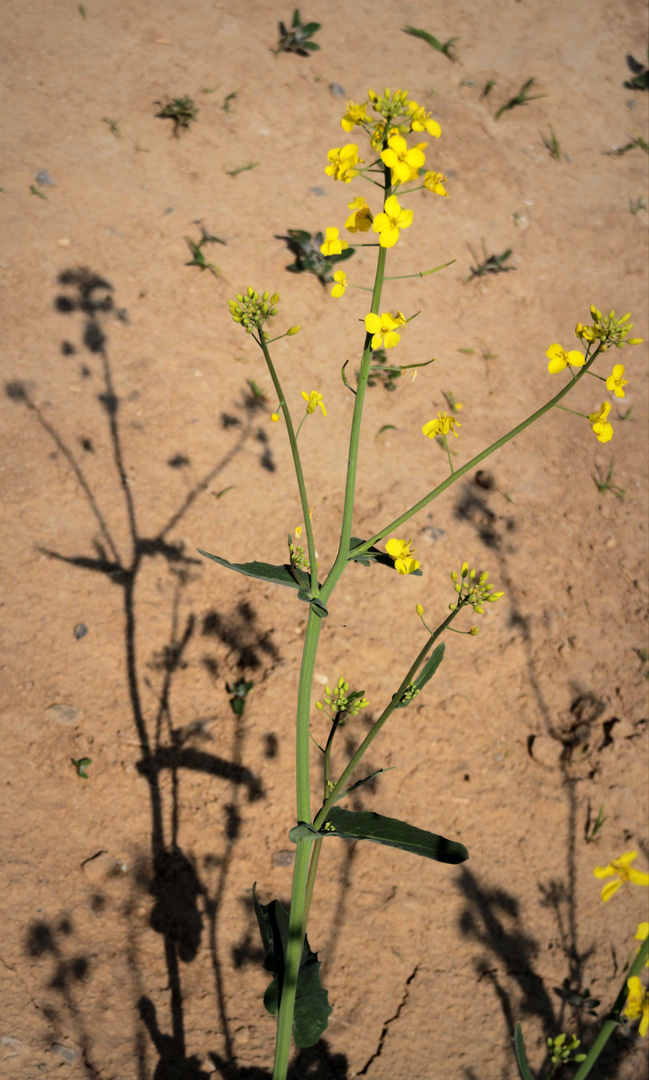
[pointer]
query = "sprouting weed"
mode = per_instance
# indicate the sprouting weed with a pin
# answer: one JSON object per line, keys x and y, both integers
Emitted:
{"x": 551, "y": 143}
{"x": 521, "y": 98}
{"x": 636, "y": 205}
{"x": 491, "y": 264}
{"x": 196, "y": 249}
{"x": 450, "y": 399}
{"x": 447, "y": 48}
{"x": 182, "y": 111}
{"x": 579, "y": 1000}
{"x": 308, "y": 256}
{"x": 605, "y": 483}
{"x": 238, "y": 692}
{"x": 81, "y": 765}
{"x": 617, "y": 151}
{"x": 113, "y": 126}
{"x": 591, "y": 831}
{"x": 242, "y": 168}
{"x": 228, "y": 100}
{"x": 82, "y": 11}
{"x": 487, "y": 88}
{"x": 639, "y": 74}
{"x": 297, "y": 38}
{"x": 33, "y": 190}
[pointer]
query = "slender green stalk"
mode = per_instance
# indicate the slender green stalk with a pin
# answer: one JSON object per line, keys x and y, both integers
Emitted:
{"x": 292, "y": 438}
{"x": 613, "y": 1017}
{"x": 463, "y": 469}
{"x": 448, "y": 453}
{"x": 293, "y": 957}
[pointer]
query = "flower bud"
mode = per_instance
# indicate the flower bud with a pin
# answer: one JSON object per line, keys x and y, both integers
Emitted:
{"x": 473, "y": 631}
{"x": 294, "y": 330}
{"x": 419, "y": 609}
{"x": 251, "y": 292}
{"x": 265, "y": 295}
{"x": 319, "y": 705}
{"x": 465, "y": 569}
{"x": 635, "y": 341}
{"x": 274, "y": 298}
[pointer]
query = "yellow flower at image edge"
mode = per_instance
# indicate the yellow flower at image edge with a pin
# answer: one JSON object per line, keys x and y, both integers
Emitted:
{"x": 442, "y": 426}
{"x": 340, "y": 277}
{"x": 399, "y": 550}
{"x": 622, "y": 870}
{"x": 615, "y": 382}
{"x": 637, "y": 1004}
{"x": 560, "y": 359}
{"x": 600, "y": 424}
{"x": 384, "y": 329}
{"x": 390, "y": 221}
{"x": 332, "y": 245}
{"x": 314, "y": 400}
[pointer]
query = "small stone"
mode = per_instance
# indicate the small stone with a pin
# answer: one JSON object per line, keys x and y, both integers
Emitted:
{"x": 80, "y": 631}
{"x": 44, "y": 179}
{"x": 337, "y": 90}
{"x": 321, "y": 678}
{"x": 14, "y": 1046}
{"x": 283, "y": 858}
{"x": 65, "y": 1052}
{"x": 63, "y": 714}
{"x": 317, "y": 191}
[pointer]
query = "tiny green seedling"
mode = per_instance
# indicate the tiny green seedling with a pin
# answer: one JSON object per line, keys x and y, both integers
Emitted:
{"x": 521, "y": 98}
{"x": 196, "y": 249}
{"x": 309, "y": 258}
{"x": 36, "y": 191}
{"x": 228, "y": 101}
{"x": 636, "y": 205}
{"x": 617, "y": 151}
{"x": 297, "y": 38}
{"x": 242, "y": 168}
{"x": 491, "y": 264}
{"x": 551, "y": 143}
{"x": 487, "y": 88}
{"x": 82, "y": 11}
{"x": 639, "y": 74}
{"x": 449, "y": 397}
{"x": 591, "y": 831}
{"x": 238, "y": 693}
{"x": 113, "y": 126}
{"x": 182, "y": 111}
{"x": 447, "y": 48}
{"x": 81, "y": 764}
{"x": 604, "y": 484}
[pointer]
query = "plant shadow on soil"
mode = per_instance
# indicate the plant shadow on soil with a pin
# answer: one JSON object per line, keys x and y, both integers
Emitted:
{"x": 182, "y": 901}
{"x": 492, "y": 917}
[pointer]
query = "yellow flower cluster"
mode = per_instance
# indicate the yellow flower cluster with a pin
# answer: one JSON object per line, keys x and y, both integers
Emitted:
{"x": 251, "y": 310}
{"x": 341, "y": 701}
{"x": 607, "y": 329}
{"x": 470, "y": 591}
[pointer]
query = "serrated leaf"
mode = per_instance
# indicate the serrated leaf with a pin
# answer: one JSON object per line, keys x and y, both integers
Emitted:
{"x": 366, "y": 825}
{"x": 312, "y": 1007}
{"x": 276, "y": 575}
{"x": 521, "y": 1057}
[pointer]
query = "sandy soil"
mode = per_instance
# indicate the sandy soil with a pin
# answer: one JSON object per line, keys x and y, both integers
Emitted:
{"x": 131, "y": 438}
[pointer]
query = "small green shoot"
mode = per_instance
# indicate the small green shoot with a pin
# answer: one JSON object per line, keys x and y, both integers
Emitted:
{"x": 617, "y": 151}
{"x": 579, "y": 1000}
{"x": 238, "y": 693}
{"x": 604, "y": 484}
{"x": 82, "y": 11}
{"x": 551, "y": 143}
{"x": 449, "y": 397}
{"x": 209, "y": 89}
{"x": 639, "y": 74}
{"x": 182, "y": 111}
{"x": 592, "y": 829}
{"x": 643, "y": 657}
{"x": 308, "y": 257}
{"x": 447, "y": 48}
{"x": 491, "y": 264}
{"x": 81, "y": 764}
{"x": 636, "y": 205}
{"x": 521, "y": 98}
{"x": 228, "y": 100}
{"x": 296, "y": 40}
{"x": 487, "y": 88}
{"x": 36, "y": 191}
{"x": 113, "y": 126}
{"x": 196, "y": 249}
{"x": 386, "y": 427}
{"x": 258, "y": 393}
{"x": 242, "y": 168}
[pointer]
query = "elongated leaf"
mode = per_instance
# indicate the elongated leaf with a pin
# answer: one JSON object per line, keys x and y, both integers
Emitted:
{"x": 430, "y": 667}
{"x": 312, "y": 1006}
{"x": 521, "y": 1057}
{"x": 425, "y": 36}
{"x": 367, "y": 825}
{"x": 276, "y": 575}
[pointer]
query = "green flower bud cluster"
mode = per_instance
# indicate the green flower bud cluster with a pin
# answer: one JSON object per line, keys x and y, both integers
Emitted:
{"x": 390, "y": 105}
{"x": 252, "y": 311}
{"x": 608, "y": 329}
{"x": 298, "y": 556}
{"x": 409, "y": 693}
{"x": 562, "y": 1051}
{"x": 341, "y": 701}
{"x": 470, "y": 591}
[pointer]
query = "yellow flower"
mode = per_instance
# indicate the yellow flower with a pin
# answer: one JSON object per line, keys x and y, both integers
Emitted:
{"x": 559, "y": 359}
{"x": 274, "y": 417}
{"x": 585, "y": 333}
{"x": 620, "y": 868}
{"x": 434, "y": 181}
{"x": 298, "y": 532}
{"x": 342, "y": 161}
{"x": 642, "y": 933}
{"x": 400, "y": 160}
{"x": 615, "y": 382}
{"x": 399, "y": 550}
{"x": 340, "y": 277}
{"x": 442, "y": 426}
{"x": 355, "y": 114}
{"x": 390, "y": 221}
{"x": 637, "y": 1004}
{"x": 420, "y": 120}
{"x": 419, "y": 609}
{"x": 332, "y": 244}
{"x": 600, "y": 423}
{"x": 313, "y": 400}
{"x": 384, "y": 328}
{"x": 377, "y": 135}
{"x": 361, "y": 218}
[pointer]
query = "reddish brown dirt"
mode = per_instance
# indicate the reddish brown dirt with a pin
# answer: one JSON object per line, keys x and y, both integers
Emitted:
{"x": 129, "y": 949}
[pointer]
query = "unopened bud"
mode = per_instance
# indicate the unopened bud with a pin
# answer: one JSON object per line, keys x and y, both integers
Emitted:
{"x": 635, "y": 341}
{"x": 419, "y": 609}
{"x": 251, "y": 292}
{"x": 265, "y": 295}
{"x": 294, "y": 330}
{"x": 465, "y": 569}
{"x": 319, "y": 705}
{"x": 473, "y": 631}
{"x": 274, "y": 298}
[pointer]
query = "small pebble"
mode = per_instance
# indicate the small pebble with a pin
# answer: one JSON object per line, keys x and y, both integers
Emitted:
{"x": 317, "y": 191}
{"x": 337, "y": 90}
{"x": 65, "y": 1052}
{"x": 283, "y": 858}
{"x": 44, "y": 179}
{"x": 64, "y": 714}
{"x": 80, "y": 631}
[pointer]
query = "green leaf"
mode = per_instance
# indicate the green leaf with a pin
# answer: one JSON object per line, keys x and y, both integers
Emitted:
{"x": 367, "y": 825}
{"x": 444, "y": 47}
{"x": 276, "y": 575}
{"x": 81, "y": 764}
{"x": 312, "y": 1006}
{"x": 303, "y": 831}
{"x": 430, "y": 667}
{"x": 521, "y": 1057}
